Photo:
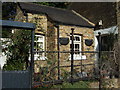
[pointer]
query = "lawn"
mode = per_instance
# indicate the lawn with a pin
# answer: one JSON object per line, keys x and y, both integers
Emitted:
{"x": 80, "y": 84}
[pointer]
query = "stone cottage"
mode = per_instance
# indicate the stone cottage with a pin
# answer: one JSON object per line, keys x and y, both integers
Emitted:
{"x": 48, "y": 21}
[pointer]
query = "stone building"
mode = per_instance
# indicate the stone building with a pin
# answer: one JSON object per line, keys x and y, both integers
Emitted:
{"x": 48, "y": 21}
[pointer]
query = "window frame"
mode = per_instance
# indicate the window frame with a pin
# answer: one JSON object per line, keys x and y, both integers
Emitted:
{"x": 37, "y": 55}
{"x": 77, "y": 56}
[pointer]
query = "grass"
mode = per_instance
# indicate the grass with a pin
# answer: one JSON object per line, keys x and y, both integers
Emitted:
{"x": 80, "y": 84}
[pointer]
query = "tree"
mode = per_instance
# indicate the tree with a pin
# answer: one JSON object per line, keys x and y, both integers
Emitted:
{"x": 8, "y": 10}
{"x": 118, "y": 43}
{"x": 17, "y": 50}
{"x": 8, "y": 13}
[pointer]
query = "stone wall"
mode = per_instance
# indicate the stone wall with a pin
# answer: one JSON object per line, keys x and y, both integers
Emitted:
{"x": 86, "y": 33}
{"x": 20, "y": 16}
{"x": 41, "y": 28}
{"x": 40, "y": 20}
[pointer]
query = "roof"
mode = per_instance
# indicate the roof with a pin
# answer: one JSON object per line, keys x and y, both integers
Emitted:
{"x": 56, "y": 14}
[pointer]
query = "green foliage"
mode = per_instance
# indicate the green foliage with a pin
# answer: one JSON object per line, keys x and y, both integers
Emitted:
{"x": 8, "y": 13}
{"x": 108, "y": 42}
{"x": 80, "y": 84}
{"x": 55, "y": 4}
{"x": 6, "y": 33}
{"x": 14, "y": 65}
{"x": 47, "y": 73}
{"x": 18, "y": 50}
{"x": 109, "y": 65}
{"x": 8, "y": 10}
{"x": 65, "y": 74}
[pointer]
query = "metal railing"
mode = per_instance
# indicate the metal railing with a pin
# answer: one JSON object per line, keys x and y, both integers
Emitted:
{"x": 96, "y": 72}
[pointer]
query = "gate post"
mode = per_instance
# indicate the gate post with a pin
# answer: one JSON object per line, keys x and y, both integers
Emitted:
{"x": 32, "y": 58}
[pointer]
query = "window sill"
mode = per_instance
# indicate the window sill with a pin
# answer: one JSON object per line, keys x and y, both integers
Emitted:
{"x": 40, "y": 58}
{"x": 83, "y": 57}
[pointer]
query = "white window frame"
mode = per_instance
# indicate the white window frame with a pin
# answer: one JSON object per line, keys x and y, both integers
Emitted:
{"x": 77, "y": 56}
{"x": 41, "y": 39}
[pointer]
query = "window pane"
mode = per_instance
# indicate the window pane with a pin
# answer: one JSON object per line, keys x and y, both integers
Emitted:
{"x": 34, "y": 43}
{"x": 40, "y": 38}
{"x": 77, "y": 48}
{"x": 35, "y": 51}
{"x": 77, "y": 38}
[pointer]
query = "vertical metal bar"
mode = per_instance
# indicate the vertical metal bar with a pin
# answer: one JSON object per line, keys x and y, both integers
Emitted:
{"x": 0, "y": 45}
{"x": 81, "y": 67}
{"x": 32, "y": 58}
{"x": 72, "y": 55}
{"x": 99, "y": 56}
{"x": 58, "y": 47}
{"x": 27, "y": 61}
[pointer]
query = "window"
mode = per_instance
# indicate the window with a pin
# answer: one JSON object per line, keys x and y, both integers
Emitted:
{"x": 77, "y": 47}
{"x": 39, "y": 46}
